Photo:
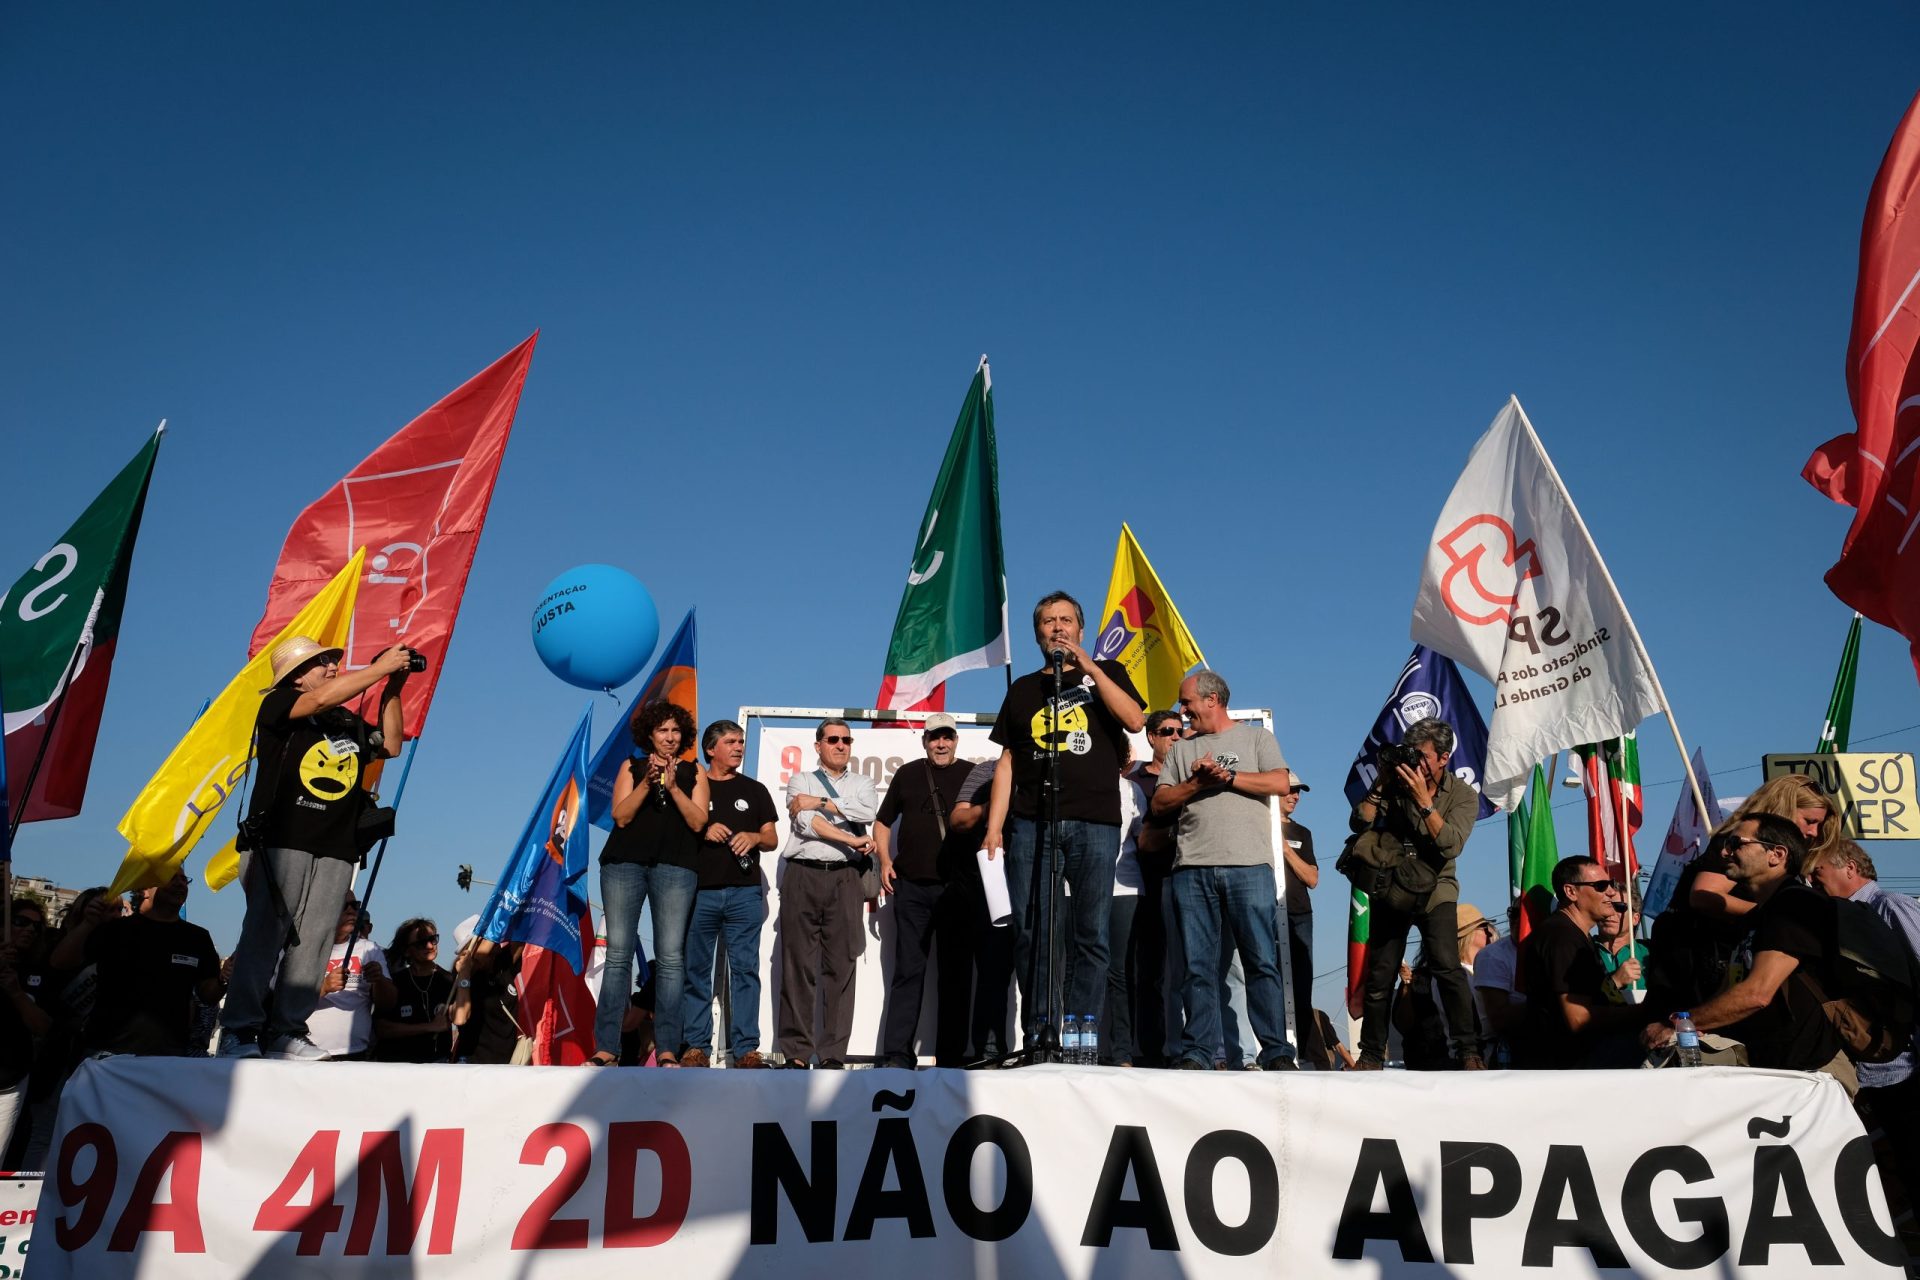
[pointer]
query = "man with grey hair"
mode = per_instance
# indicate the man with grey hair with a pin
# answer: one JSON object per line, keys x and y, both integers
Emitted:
{"x": 820, "y": 898}
{"x": 1219, "y": 782}
{"x": 1429, "y": 812}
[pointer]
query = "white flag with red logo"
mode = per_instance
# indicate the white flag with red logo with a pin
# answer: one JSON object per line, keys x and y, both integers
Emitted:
{"x": 1514, "y": 588}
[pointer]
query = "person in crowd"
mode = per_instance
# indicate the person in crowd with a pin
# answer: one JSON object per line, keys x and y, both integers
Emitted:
{"x": 1694, "y": 939}
{"x": 1302, "y": 876}
{"x": 1333, "y": 1052}
{"x": 820, "y": 899}
{"x": 1426, "y": 1036}
{"x": 23, "y": 1023}
{"x": 636, "y": 1029}
{"x": 928, "y": 869}
{"x": 1569, "y": 1021}
{"x": 1889, "y": 1091}
{"x": 485, "y": 1012}
{"x": 1431, "y": 813}
{"x": 302, "y": 831}
{"x": 1219, "y": 780}
{"x": 1775, "y": 1008}
{"x": 1073, "y": 729}
{"x": 659, "y": 809}
{"x": 342, "y": 1023}
{"x": 1621, "y": 955}
{"x": 1160, "y": 1018}
{"x": 1115, "y": 1027}
{"x": 1794, "y": 796}
{"x": 742, "y": 823}
{"x": 67, "y": 995}
{"x": 149, "y": 965}
{"x": 413, "y": 1026}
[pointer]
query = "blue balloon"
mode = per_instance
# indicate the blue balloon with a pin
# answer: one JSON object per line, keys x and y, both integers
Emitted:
{"x": 595, "y": 626}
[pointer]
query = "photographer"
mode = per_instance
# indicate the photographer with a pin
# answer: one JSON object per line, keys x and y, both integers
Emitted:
{"x": 302, "y": 838}
{"x": 1408, "y": 829}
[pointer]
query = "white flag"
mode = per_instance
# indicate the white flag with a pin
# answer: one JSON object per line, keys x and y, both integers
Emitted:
{"x": 1514, "y": 589}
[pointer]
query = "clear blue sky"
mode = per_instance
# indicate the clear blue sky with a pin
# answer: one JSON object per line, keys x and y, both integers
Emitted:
{"x": 1254, "y": 281}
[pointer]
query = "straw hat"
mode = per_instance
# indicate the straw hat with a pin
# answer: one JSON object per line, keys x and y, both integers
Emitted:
{"x": 295, "y": 652}
{"x": 1470, "y": 919}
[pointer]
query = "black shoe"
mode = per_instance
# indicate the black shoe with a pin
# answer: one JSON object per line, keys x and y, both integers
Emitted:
{"x": 1192, "y": 1064}
{"x": 1282, "y": 1063}
{"x": 832, "y": 1064}
{"x": 795, "y": 1064}
{"x": 900, "y": 1061}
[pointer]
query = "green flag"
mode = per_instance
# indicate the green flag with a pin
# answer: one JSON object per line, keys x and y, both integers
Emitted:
{"x": 953, "y": 617}
{"x": 1833, "y": 733}
{"x": 59, "y": 623}
{"x": 1542, "y": 849}
{"x": 1517, "y": 846}
{"x": 1359, "y": 929}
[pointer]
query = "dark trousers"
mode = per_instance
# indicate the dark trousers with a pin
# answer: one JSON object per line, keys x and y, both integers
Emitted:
{"x": 1306, "y": 1027}
{"x": 1149, "y": 946}
{"x": 1087, "y": 852}
{"x": 948, "y": 921}
{"x": 820, "y": 939}
{"x": 1123, "y": 981}
{"x": 1386, "y": 945}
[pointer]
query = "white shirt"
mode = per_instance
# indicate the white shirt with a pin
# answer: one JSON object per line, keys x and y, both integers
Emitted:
{"x": 343, "y": 1021}
{"x": 1126, "y": 867}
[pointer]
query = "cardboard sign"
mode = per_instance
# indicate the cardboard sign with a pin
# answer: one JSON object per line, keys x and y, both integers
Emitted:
{"x": 1876, "y": 790}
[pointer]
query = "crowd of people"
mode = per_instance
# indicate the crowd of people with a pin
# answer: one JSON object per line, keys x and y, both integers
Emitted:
{"x": 1146, "y": 907}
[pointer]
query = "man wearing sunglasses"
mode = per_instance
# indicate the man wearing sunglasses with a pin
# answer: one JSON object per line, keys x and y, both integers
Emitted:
{"x": 1775, "y": 1010}
{"x": 1569, "y": 1022}
{"x": 820, "y": 898}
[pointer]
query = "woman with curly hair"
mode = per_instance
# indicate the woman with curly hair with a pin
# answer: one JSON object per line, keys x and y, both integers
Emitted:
{"x": 659, "y": 808}
{"x": 1793, "y": 796}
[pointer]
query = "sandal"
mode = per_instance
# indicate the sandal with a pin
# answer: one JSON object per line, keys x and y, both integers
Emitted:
{"x": 603, "y": 1059}
{"x": 665, "y": 1060}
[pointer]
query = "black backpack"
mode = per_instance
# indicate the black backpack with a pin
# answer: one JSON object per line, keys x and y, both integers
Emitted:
{"x": 1870, "y": 998}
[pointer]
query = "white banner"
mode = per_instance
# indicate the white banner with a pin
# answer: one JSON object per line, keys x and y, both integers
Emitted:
{"x": 1514, "y": 589}
{"x": 170, "y": 1167}
{"x": 18, "y": 1196}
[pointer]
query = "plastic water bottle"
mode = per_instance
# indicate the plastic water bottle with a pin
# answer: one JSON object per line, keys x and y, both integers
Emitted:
{"x": 1070, "y": 1039}
{"x": 1686, "y": 1040}
{"x": 1090, "y": 1040}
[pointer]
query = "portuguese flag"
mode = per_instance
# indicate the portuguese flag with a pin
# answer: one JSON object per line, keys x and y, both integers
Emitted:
{"x": 1359, "y": 928}
{"x": 59, "y": 623}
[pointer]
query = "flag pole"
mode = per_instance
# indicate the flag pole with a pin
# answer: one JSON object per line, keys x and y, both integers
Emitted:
{"x": 1606, "y": 575}
{"x": 380, "y": 854}
{"x": 1628, "y": 863}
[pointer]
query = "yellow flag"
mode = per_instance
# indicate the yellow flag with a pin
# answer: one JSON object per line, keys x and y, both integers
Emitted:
{"x": 1143, "y": 631}
{"x": 205, "y": 770}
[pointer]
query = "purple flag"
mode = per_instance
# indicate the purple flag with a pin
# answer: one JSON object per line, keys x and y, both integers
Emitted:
{"x": 1429, "y": 685}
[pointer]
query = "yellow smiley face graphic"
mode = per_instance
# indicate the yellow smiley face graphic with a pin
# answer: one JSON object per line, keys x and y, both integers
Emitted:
{"x": 328, "y": 772}
{"x": 1071, "y": 726}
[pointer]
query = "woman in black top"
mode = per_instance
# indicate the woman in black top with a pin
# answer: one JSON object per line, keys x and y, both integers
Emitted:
{"x": 414, "y": 1027}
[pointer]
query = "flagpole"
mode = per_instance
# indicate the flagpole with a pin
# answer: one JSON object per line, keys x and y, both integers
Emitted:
{"x": 1633, "y": 632}
{"x": 1627, "y": 860}
{"x": 379, "y": 855}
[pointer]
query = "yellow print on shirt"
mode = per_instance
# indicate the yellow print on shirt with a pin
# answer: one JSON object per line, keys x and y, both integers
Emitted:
{"x": 1063, "y": 725}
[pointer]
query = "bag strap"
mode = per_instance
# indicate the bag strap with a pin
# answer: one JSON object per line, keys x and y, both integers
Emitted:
{"x": 822, "y": 775}
{"x": 939, "y": 809}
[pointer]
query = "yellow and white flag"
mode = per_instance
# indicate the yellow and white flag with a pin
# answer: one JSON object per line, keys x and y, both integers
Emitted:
{"x": 1142, "y": 630}
{"x": 207, "y": 767}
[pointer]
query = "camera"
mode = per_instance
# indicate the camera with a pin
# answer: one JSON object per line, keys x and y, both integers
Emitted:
{"x": 416, "y": 661}
{"x": 1390, "y": 757}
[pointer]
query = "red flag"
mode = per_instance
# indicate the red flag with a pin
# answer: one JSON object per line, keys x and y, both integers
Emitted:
{"x": 556, "y": 1005}
{"x": 417, "y": 504}
{"x": 1876, "y": 469}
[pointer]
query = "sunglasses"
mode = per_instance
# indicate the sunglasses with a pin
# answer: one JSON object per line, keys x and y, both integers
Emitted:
{"x": 1167, "y": 731}
{"x": 28, "y": 922}
{"x": 837, "y": 740}
{"x": 1599, "y": 886}
{"x": 426, "y": 940}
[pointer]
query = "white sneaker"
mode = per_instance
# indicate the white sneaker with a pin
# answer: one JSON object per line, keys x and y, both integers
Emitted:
{"x": 296, "y": 1049}
{"x": 238, "y": 1044}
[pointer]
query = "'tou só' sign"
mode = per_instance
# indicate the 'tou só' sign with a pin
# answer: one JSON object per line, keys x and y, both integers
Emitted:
{"x": 1876, "y": 790}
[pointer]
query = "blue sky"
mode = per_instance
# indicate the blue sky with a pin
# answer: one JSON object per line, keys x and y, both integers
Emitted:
{"x": 1253, "y": 279}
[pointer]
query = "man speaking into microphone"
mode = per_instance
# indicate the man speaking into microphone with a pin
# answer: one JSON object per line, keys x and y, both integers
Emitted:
{"x": 1066, "y": 722}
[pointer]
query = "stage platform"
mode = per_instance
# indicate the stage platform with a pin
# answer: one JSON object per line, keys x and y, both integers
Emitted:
{"x": 170, "y": 1167}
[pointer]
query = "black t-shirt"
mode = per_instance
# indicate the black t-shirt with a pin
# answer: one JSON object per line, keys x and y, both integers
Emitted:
{"x": 743, "y": 806}
{"x": 1299, "y": 902}
{"x": 657, "y": 835}
{"x": 1556, "y": 959}
{"x": 493, "y": 1030}
{"x": 920, "y": 798}
{"x": 307, "y": 792}
{"x": 146, "y": 971}
{"x": 1792, "y": 1031}
{"x": 1088, "y": 743}
{"x": 417, "y": 1000}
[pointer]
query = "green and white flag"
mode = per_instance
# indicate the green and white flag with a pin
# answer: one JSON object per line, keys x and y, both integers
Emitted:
{"x": 953, "y": 617}
{"x": 59, "y": 624}
{"x": 1839, "y": 722}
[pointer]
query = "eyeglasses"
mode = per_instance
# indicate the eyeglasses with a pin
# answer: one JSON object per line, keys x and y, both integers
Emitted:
{"x": 28, "y": 922}
{"x": 1167, "y": 731}
{"x": 1737, "y": 843}
{"x": 837, "y": 740}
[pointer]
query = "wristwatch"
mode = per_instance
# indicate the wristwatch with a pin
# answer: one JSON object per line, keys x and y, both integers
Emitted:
{"x": 1427, "y": 810}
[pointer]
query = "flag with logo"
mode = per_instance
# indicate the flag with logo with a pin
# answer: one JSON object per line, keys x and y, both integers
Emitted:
{"x": 1429, "y": 687}
{"x": 1610, "y": 772}
{"x": 953, "y": 615}
{"x": 1141, "y": 629}
{"x": 417, "y": 504}
{"x": 676, "y": 678}
{"x": 209, "y": 765}
{"x": 1875, "y": 469}
{"x": 1514, "y": 588}
{"x": 1542, "y": 848}
{"x": 1687, "y": 835}
{"x": 60, "y": 629}
{"x": 1834, "y": 730}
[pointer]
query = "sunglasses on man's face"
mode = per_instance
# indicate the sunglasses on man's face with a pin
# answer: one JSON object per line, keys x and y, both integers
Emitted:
{"x": 1599, "y": 886}
{"x": 836, "y": 740}
{"x": 1167, "y": 731}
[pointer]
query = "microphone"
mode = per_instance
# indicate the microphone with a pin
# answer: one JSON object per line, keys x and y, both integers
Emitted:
{"x": 1057, "y": 657}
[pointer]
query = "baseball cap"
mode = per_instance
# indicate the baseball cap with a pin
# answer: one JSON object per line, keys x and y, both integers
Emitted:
{"x": 941, "y": 720}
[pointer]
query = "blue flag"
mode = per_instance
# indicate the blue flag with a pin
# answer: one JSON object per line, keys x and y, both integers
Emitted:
{"x": 542, "y": 893}
{"x": 1429, "y": 685}
{"x": 676, "y": 678}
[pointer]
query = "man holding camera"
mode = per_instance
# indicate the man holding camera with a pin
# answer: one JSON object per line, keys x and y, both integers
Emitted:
{"x": 1414, "y": 821}
{"x": 301, "y": 838}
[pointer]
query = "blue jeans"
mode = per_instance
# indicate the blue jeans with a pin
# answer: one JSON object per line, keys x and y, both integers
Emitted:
{"x": 738, "y": 911}
{"x": 624, "y": 889}
{"x": 1227, "y": 1046}
{"x": 1231, "y": 903}
{"x": 1089, "y": 850}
